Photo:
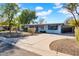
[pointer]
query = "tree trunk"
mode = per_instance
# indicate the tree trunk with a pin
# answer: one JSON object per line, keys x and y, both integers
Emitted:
{"x": 9, "y": 29}
{"x": 75, "y": 19}
{"x": 76, "y": 29}
{"x": 16, "y": 30}
{"x": 77, "y": 34}
{"x": 10, "y": 25}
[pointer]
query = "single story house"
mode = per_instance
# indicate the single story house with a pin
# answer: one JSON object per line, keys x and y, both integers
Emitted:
{"x": 51, "y": 28}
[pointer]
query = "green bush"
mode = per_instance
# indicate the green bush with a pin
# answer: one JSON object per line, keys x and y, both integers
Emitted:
{"x": 24, "y": 29}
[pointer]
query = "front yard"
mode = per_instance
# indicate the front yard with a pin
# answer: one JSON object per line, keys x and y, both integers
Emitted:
{"x": 67, "y": 46}
{"x": 14, "y": 34}
{"x": 7, "y": 49}
{"x": 41, "y": 44}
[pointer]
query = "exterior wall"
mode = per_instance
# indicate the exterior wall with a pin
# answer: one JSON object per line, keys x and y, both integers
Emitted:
{"x": 54, "y": 31}
{"x": 40, "y": 29}
{"x": 50, "y": 31}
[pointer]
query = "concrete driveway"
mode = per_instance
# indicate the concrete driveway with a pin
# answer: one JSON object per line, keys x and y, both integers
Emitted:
{"x": 40, "y": 44}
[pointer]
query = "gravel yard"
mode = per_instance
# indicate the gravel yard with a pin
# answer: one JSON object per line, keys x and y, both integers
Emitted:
{"x": 67, "y": 46}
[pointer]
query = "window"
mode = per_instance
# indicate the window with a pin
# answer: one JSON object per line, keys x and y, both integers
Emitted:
{"x": 52, "y": 27}
{"x": 42, "y": 27}
{"x": 31, "y": 26}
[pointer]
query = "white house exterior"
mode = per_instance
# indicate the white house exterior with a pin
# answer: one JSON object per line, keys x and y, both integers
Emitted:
{"x": 48, "y": 28}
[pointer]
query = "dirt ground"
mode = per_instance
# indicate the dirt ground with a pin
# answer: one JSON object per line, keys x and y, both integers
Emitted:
{"x": 67, "y": 46}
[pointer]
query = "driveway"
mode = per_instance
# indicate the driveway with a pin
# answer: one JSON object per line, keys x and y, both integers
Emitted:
{"x": 40, "y": 43}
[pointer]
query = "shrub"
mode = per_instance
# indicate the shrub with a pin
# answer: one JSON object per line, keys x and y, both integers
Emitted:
{"x": 32, "y": 30}
{"x": 25, "y": 29}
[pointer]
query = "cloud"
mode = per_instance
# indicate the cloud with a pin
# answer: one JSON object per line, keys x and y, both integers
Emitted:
{"x": 58, "y": 5}
{"x": 39, "y": 8}
{"x": 44, "y": 13}
{"x": 44, "y": 17}
{"x": 64, "y": 11}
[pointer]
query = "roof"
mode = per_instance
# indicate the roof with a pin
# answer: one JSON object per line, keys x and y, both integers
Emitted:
{"x": 45, "y": 24}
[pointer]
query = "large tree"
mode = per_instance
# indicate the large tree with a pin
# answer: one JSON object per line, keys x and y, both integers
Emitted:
{"x": 27, "y": 16}
{"x": 73, "y": 21}
{"x": 9, "y": 11}
{"x": 72, "y": 8}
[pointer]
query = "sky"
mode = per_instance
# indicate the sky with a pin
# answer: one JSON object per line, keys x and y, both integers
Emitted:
{"x": 50, "y": 12}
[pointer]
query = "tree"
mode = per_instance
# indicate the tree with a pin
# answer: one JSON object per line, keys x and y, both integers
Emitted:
{"x": 27, "y": 16}
{"x": 72, "y": 8}
{"x": 71, "y": 22}
{"x": 9, "y": 11}
{"x": 16, "y": 23}
{"x": 3, "y": 23}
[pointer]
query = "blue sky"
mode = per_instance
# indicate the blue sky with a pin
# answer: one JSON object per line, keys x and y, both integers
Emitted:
{"x": 51, "y": 12}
